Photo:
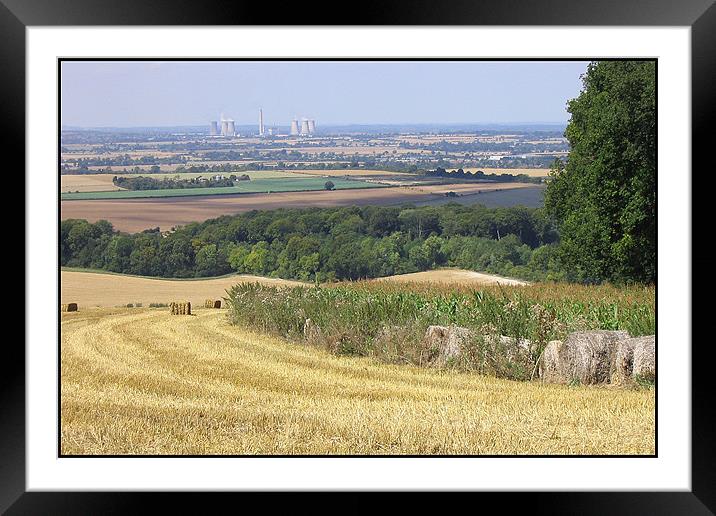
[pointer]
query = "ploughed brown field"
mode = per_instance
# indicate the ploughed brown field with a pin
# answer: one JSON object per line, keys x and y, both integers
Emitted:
{"x": 133, "y": 215}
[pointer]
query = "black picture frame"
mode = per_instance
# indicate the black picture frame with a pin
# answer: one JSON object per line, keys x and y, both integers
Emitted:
{"x": 700, "y": 15}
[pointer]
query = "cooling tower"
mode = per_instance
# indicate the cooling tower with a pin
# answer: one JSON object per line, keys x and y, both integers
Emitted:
{"x": 311, "y": 126}
{"x": 224, "y": 128}
{"x": 231, "y": 129}
{"x": 213, "y": 128}
{"x": 294, "y": 127}
{"x": 304, "y": 127}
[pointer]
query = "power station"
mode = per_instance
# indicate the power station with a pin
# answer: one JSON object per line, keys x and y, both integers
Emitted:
{"x": 307, "y": 127}
{"x": 224, "y": 127}
{"x": 227, "y": 127}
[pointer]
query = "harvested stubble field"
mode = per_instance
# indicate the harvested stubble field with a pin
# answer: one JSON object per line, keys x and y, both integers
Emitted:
{"x": 140, "y": 381}
{"x": 139, "y": 214}
{"x": 453, "y": 276}
{"x": 94, "y": 289}
{"x": 87, "y": 183}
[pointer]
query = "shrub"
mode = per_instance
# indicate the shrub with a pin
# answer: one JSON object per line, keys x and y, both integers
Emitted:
{"x": 390, "y": 322}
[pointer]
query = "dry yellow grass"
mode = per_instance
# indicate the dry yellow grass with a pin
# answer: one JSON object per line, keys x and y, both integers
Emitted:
{"x": 143, "y": 382}
{"x": 91, "y": 289}
{"x": 87, "y": 183}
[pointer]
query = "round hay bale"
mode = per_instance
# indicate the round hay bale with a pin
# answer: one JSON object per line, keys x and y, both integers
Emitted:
{"x": 433, "y": 341}
{"x": 645, "y": 357}
{"x": 68, "y": 307}
{"x": 623, "y": 361}
{"x": 550, "y": 368}
{"x": 444, "y": 343}
{"x": 588, "y": 357}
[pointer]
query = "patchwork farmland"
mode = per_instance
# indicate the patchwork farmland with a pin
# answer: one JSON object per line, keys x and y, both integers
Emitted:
{"x": 167, "y": 212}
{"x": 283, "y": 184}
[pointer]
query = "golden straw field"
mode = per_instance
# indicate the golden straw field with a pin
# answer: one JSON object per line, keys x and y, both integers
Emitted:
{"x": 140, "y": 381}
{"x": 95, "y": 289}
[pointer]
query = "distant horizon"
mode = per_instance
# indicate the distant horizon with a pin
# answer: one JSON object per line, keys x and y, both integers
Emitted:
{"x": 130, "y": 94}
{"x": 476, "y": 125}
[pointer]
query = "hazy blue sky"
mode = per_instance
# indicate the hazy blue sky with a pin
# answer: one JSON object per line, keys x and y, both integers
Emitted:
{"x": 127, "y": 94}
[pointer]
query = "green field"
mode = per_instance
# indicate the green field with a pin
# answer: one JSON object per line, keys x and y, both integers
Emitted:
{"x": 288, "y": 184}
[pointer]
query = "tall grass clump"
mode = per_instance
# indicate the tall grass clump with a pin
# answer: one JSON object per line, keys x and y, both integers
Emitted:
{"x": 389, "y": 322}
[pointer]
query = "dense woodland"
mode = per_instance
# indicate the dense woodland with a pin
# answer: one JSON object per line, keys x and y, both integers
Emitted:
{"x": 326, "y": 243}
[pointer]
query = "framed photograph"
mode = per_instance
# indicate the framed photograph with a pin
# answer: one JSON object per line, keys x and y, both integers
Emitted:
{"x": 422, "y": 252}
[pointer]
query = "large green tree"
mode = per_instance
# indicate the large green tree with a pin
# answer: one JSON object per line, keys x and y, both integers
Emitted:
{"x": 604, "y": 197}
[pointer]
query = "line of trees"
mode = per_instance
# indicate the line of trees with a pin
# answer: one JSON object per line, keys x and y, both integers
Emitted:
{"x": 151, "y": 183}
{"x": 481, "y": 176}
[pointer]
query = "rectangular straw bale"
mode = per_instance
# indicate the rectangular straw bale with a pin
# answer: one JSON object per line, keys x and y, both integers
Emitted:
{"x": 180, "y": 308}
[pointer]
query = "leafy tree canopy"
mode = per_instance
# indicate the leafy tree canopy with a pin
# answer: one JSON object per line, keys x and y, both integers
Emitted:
{"x": 604, "y": 196}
